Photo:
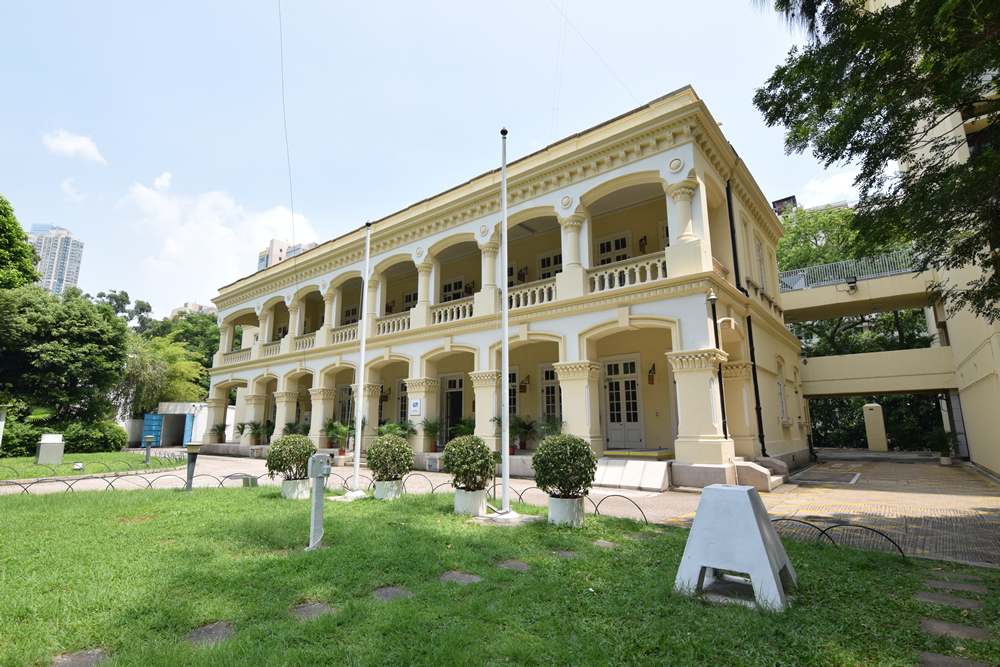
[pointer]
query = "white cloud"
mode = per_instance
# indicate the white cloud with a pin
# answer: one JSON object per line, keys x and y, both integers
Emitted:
{"x": 163, "y": 182}
{"x": 836, "y": 188}
{"x": 194, "y": 245}
{"x": 62, "y": 142}
{"x": 70, "y": 192}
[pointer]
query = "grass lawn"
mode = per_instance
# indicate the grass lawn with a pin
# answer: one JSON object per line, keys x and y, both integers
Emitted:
{"x": 24, "y": 467}
{"x": 135, "y": 571}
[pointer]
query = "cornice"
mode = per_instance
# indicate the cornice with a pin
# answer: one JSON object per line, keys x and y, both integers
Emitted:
{"x": 286, "y": 396}
{"x": 577, "y": 370}
{"x": 736, "y": 369}
{"x": 485, "y": 378}
{"x": 422, "y": 384}
{"x": 696, "y": 360}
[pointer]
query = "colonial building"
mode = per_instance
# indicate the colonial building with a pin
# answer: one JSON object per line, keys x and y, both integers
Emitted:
{"x": 617, "y": 236}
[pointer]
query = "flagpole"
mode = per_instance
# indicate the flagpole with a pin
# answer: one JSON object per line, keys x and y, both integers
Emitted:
{"x": 505, "y": 513}
{"x": 359, "y": 375}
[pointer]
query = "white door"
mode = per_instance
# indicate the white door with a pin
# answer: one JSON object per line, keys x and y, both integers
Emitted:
{"x": 623, "y": 427}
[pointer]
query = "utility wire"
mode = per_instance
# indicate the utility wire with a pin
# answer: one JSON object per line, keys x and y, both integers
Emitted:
{"x": 595, "y": 51}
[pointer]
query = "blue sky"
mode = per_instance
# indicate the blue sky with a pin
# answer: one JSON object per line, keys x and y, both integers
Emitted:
{"x": 153, "y": 131}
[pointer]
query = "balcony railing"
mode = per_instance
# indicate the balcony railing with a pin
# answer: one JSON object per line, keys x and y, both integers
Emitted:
{"x": 889, "y": 264}
{"x": 532, "y": 294}
{"x": 452, "y": 311}
{"x": 392, "y": 324}
{"x": 345, "y": 334}
{"x": 270, "y": 350}
{"x": 637, "y": 271}
{"x": 304, "y": 342}
{"x": 236, "y": 357}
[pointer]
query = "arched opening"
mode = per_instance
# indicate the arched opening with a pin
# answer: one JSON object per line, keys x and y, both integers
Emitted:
{"x": 399, "y": 289}
{"x": 458, "y": 272}
{"x": 533, "y": 389}
{"x": 627, "y": 223}
{"x": 351, "y": 301}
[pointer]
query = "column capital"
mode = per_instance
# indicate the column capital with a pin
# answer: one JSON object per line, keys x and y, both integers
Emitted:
{"x": 485, "y": 378}
{"x": 286, "y": 396}
{"x": 490, "y": 249}
{"x": 372, "y": 283}
{"x": 422, "y": 384}
{"x": 681, "y": 191}
{"x": 255, "y": 399}
{"x": 370, "y": 389}
{"x": 217, "y": 402}
{"x": 322, "y": 394}
{"x": 696, "y": 360}
{"x": 577, "y": 370}
{"x": 574, "y": 221}
{"x": 425, "y": 268}
{"x": 736, "y": 369}
{"x": 329, "y": 296}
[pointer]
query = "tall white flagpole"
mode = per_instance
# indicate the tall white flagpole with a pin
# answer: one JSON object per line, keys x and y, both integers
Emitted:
{"x": 505, "y": 513}
{"x": 359, "y": 375}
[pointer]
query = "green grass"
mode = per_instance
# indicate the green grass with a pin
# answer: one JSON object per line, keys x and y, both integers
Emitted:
{"x": 135, "y": 571}
{"x": 24, "y": 467}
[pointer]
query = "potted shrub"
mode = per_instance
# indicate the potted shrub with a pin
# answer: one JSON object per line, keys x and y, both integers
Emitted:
{"x": 431, "y": 431}
{"x": 337, "y": 433}
{"x": 390, "y": 457}
{"x": 943, "y": 442}
{"x": 549, "y": 425}
{"x": 288, "y": 456}
{"x": 521, "y": 430}
{"x": 257, "y": 431}
{"x": 470, "y": 462}
{"x": 218, "y": 431}
{"x": 464, "y": 426}
{"x": 404, "y": 429}
{"x": 564, "y": 468}
{"x": 293, "y": 428}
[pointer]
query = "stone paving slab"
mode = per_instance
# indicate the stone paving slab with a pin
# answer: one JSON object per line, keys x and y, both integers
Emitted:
{"x": 460, "y": 577}
{"x": 566, "y": 554}
{"x": 948, "y": 600}
{"x": 212, "y": 634}
{"x": 639, "y": 536}
{"x": 956, "y": 630}
{"x": 938, "y": 660}
{"x": 91, "y": 658}
{"x": 514, "y": 565}
{"x": 954, "y": 586}
{"x": 606, "y": 544}
{"x": 391, "y": 593}
{"x": 307, "y": 612}
{"x": 957, "y": 577}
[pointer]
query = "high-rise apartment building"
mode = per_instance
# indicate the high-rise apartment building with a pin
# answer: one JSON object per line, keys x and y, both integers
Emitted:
{"x": 60, "y": 255}
{"x": 278, "y": 251}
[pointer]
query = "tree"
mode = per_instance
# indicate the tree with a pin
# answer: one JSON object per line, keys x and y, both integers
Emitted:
{"x": 138, "y": 391}
{"x": 119, "y": 303}
{"x": 17, "y": 256}
{"x": 877, "y": 88}
{"x": 199, "y": 332}
{"x": 184, "y": 370}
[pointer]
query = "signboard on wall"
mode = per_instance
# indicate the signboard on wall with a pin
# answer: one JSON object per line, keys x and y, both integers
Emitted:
{"x": 415, "y": 408}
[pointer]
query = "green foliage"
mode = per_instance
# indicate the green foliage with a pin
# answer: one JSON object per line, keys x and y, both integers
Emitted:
{"x": 941, "y": 441}
{"x": 875, "y": 88}
{"x": 218, "y": 430}
{"x": 839, "y": 421}
{"x": 293, "y": 428}
{"x": 198, "y": 332}
{"x": 138, "y": 391}
{"x": 549, "y": 425}
{"x": 17, "y": 256}
{"x": 89, "y": 438}
{"x": 288, "y": 456}
{"x": 389, "y": 458}
{"x": 336, "y": 431}
{"x": 814, "y": 237}
{"x": 184, "y": 370}
{"x": 564, "y": 466}
{"x": 464, "y": 426}
{"x": 432, "y": 427}
{"x": 403, "y": 429}
{"x": 470, "y": 462}
{"x": 20, "y": 438}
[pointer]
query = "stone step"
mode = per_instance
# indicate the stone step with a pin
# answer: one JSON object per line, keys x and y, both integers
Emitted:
{"x": 947, "y": 600}
{"x": 938, "y": 660}
{"x": 955, "y": 576}
{"x": 954, "y": 586}
{"x": 956, "y": 630}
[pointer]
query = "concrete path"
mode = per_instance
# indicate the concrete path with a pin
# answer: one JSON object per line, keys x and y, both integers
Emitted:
{"x": 950, "y": 513}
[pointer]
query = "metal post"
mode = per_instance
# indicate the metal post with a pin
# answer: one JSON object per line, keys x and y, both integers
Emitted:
{"x": 192, "y": 454}
{"x": 149, "y": 443}
{"x": 319, "y": 469}
{"x": 360, "y": 376}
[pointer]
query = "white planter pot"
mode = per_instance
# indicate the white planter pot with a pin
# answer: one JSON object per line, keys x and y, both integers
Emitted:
{"x": 470, "y": 502}
{"x": 566, "y": 511}
{"x": 945, "y": 460}
{"x": 389, "y": 490}
{"x": 296, "y": 489}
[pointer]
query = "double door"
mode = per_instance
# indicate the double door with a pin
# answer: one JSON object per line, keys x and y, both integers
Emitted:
{"x": 623, "y": 424}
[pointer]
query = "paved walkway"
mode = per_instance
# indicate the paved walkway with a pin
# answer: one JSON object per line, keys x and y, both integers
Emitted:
{"x": 951, "y": 513}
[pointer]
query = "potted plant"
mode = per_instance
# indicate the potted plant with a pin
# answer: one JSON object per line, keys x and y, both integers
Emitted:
{"x": 257, "y": 431}
{"x": 293, "y": 428}
{"x": 514, "y": 434}
{"x": 239, "y": 428}
{"x": 464, "y": 426}
{"x": 431, "y": 431}
{"x": 943, "y": 442}
{"x": 564, "y": 468}
{"x": 404, "y": 429}
{"x": 521, "y": 430}
{"x": 549, "y": 425}
{"x": 389, "y": 458}
{"x": 288, "y": 456}
{"x": 219, "y": 432}
{"x": 470, "y": 462}
{"x": 337, "y": 433}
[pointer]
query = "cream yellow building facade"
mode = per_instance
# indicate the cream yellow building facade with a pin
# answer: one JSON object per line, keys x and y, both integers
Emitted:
{"x": 616, "y": 237}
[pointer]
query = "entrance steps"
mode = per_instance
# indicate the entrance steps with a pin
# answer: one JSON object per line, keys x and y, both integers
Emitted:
{"x": 633, "y": 474}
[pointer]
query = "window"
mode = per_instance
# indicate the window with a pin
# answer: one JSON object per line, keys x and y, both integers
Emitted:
{"x": 781, "y": 393}
{"x": 550, "y": 398}
{"x": 512, "y": 392}
{"x": 346, "y": 406}
{"x": 401, "y": 402}
{"x": 453, "y": 289}
{"x": 409, "y": 301}
{"x": 549, "y": 265}
{"x": 760, "y": 265}
{"x": 613, "y": 248}
{"x": 350, "y": 315}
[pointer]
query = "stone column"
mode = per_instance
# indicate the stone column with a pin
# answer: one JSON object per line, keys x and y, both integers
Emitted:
{"x": 572, "y": 282}
{"x": 286, "y": 402}
{"x": 217, "y": 409}
{"x": 420, "y": 314}
{"x": 486, "y": 385}
{"x": 580, "y": 382}
{"x": 254, "y": 412}
{"x": 288, "y": 340}
{"x": 687, "y": 253}
{"x": 371, "y": 306}
{"x": 703, "y": 455}
{"x": 740, "y": 414}
{"x": 369, "y": 412}
{"x": 426, "y": 390}
{"x": 330, "y": 306}
{"x": 322, "y": 409}
{"x": 485, "y": 301}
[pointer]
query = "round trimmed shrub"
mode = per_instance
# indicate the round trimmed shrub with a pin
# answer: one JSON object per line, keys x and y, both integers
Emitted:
{"x": 564, "y": 466}
{"x": 470, "y": 461}
{"x": 288, "y": 456}
{"x": 20, "y": 439}
{"x": 389, "y": 458}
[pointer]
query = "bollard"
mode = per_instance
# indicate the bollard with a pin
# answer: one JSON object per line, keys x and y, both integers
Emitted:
{"x": 192, "y": 451}
{"x": 149, "y": 443}
{"x": 319, "y": 469}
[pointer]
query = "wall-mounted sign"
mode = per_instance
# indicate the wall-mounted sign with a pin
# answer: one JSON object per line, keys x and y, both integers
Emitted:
{"x": 415, "y": 407}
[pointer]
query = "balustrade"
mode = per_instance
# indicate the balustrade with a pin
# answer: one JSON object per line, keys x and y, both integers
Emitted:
{"x": 452, "y": 311}
{"x": 532, "y": 294}
{"x": 637, "y": 271}
{"x": 270, "y": 350}
{"x": 236, "y": 357}
{"x": 392, "y": 324}
{"x": 304, "y": 342}
{"x": 345, "y": 334}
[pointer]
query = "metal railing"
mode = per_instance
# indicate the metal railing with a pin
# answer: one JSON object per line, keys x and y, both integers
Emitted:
{"x": 890, "y": 264}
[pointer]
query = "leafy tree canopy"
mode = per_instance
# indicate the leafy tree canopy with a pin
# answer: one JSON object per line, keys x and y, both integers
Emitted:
{"x": 120, "y": 302}
{"x": 17, "y": 256}
{"x": 886, "y": 87}
{"x": 199, "y": 332}
{"x": 815, "y": 236}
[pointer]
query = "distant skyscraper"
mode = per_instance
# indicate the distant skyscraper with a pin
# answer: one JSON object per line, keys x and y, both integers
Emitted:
{"x": 192, "y": 307}
{"x": 278, "y": 251}
{"x": 60, "y": 255}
